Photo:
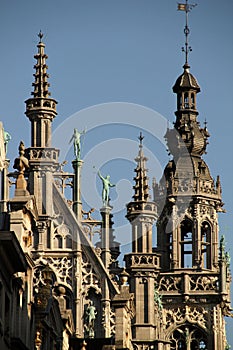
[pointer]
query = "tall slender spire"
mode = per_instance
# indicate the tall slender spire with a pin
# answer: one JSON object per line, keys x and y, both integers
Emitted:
{"x": 41, "y": 84}
{"x": 186, "y": 49}
{"x": 43, "y": 158}
{"x": 141, "y": 180}
{"x": 41, "y": 109}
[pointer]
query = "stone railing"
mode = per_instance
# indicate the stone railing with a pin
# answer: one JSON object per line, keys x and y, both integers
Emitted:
{"x": 40, "y": 102}
{"x": 137, "y": 260}
{"x": 186, "y": 283}
{"x": 42, "y": 154}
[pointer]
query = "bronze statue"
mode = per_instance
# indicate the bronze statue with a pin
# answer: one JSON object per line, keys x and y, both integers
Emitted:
{"x": 106, "y": 184}
{"x": 90, "y": 319}
{"x": 76, "y": 138}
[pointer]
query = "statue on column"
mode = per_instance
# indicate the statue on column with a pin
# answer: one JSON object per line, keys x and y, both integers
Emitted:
{"x": 7, "y": 138}
{"x": 106, "y": 184}
{"x": 76, "y": 138}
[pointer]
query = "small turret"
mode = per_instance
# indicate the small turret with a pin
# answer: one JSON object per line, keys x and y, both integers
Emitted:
{"x": 141, "y": 212}
{"x": 43, "y": 158}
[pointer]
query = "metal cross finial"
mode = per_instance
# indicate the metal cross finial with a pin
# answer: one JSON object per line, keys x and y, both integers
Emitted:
{"x": 40, "y": 35}
{"x": 187, "y": 8}
{"x": 140, "y": 137}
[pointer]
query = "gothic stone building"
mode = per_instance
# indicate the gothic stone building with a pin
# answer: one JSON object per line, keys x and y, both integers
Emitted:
{"x": 59, "y": 291}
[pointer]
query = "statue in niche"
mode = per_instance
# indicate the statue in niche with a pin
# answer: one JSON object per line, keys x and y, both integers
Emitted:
{"x": 106, "y": 185}
{"x": 90, "y": 319}
{"x": 158, "y": 299}
{"x": 76, "y": 138}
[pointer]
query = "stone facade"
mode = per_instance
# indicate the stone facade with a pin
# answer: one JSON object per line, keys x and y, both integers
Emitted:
{"x": 59, "y": 291}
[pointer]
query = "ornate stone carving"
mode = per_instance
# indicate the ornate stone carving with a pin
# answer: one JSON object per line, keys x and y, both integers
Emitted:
{"x": 112, "y": 321}
{"x": 89, "y": 277}
{"x": 43, "y": 154}
{"x": 141, "y": 346}
{"x": 194, "y": 314}
{"x": 91, "y": 229}
{"x": 170, "y": 283}
{"x": 144, "y": 259}
{"x": 63, "y": 267}
{"x": 205, "y": 283}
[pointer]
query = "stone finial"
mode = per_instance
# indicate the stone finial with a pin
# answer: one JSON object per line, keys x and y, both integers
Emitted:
{"x": 21, "y": 164}
{"x": 124, "y": 277}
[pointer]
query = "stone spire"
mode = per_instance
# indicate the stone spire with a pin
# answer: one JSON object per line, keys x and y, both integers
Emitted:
{"x": 141, "y": 187}
{"x": 41, "y": 85}
{"x": 142, "y": 263}
{"x": 41, "y": 109}
{"x": 141, "y": 212}
{"x": 43, "y": 158}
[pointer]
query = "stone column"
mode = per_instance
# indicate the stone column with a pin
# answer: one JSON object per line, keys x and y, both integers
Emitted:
{"x": 4, "y": 187}
{"x": 124, "y": 310}
{"x": 105, "y": 235}
{"x": 77, "y": 203}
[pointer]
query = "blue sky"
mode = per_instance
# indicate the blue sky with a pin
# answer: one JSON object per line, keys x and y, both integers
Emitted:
{"x": 125, "y": 51}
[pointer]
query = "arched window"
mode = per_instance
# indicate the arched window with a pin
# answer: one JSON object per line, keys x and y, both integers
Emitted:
{"x": 205, "y": 245}
{"x": 68, "y": 241}
{"x": 57, "y": 241}
{"x": 186, "y": 243}
{"x": 188, "y": 337}
{"x": 186, "y": 100}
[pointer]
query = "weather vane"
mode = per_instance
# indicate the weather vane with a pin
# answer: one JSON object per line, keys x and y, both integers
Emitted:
{"x": 187, "y": 8}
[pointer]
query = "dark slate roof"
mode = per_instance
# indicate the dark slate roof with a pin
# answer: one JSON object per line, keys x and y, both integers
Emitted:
{"x": 186, "y": 81}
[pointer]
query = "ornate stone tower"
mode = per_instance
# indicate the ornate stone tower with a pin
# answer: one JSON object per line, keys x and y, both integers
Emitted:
{"x": 43, "y": 159}
{"x": 194, "y": 279}
{"x": 142, "y": 264}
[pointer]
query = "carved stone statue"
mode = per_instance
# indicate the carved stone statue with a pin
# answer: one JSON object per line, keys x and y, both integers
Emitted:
{"x": 76, "y": 138}
{"x": 90, "y": 319}
{"x": 106, "y": 184}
